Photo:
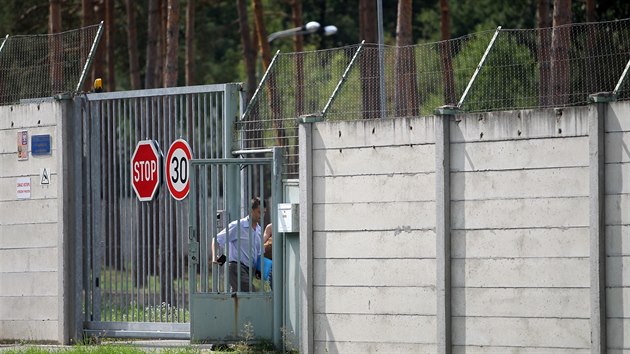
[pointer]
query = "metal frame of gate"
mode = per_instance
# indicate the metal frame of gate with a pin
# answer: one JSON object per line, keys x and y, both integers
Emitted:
{"x": 222, "y": 189}
{"x": 135, "y": 273}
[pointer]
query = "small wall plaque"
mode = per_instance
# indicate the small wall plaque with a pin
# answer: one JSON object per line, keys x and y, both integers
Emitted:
{"x": 40, "y": 145}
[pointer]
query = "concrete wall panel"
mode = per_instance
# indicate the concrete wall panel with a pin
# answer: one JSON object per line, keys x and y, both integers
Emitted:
{"x": 617, "y": 178}
{"x": 520, "y": 154}
{"x": 617, "y": 240}
{"x": 8, "y": 187}
{"x": 29, "y": 260}
{"x": 617, "y": 146}
{"x": 458, "y": 349}
{"x": 337, "y": 347}
{"x": 617, "y": 117}
{"x": 19, "y": 308}
{"x": 618, "y": 333}
{"x": 40, "y": 235}
{"x": 375, "y": 300}
{"x": 399, "y": 243}
{"x": 375, "y": 328}
{"x": 520, "y": 213}
{"x": 521, "y": 302}
{"x": 548, "y": 242}
{"x": 8, "y": 140}
{"x": 618, "y": 209}
{"x": 565, "y": 182}
{"x": 32, "y": 284}
{"x": 29, "y": 211}
{"x": 519, "y": 125}
{"x": 377, "y": 132}
{"x": 547, "y": 333}
{"x": 35, "y": 330}
{"x": 29, "y": 115}
{"x": 370, "y": 161}
{"x": 617, "y": 270}
{"x": 374, "y": 272}
{"x": 382, "y": 188}
{"x": 521, "y": 272}
{"x": 374, "y": 216}
{"x": 617, "y": 300}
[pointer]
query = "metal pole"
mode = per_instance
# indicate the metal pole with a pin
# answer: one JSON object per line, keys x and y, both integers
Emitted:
{"x": 381, "y": 61}
{"x": 343, "y": 79}
{"x": 88, "y": 62}
{"x": 260, "y": 85}
{"x": 3, "y": 42}
{"x": 622, "y": 79}
{"x": 483, "y": 59}
{"x": 278, "y": 256}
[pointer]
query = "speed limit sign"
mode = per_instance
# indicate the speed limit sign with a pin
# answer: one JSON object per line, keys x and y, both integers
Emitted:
{"x": 178, "y": 169}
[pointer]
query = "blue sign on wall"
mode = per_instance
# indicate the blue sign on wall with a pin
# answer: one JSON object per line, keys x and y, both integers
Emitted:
{"x": 40, "y": 145}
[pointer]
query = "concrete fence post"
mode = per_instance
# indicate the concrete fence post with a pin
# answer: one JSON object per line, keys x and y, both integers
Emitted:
{"x": 443, "y": 116}
{"x": 306, "y": 232}
{"x": 597, "y": 226}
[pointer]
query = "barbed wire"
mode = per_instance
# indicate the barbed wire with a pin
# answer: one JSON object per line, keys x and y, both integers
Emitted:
{"x": 39, "y": 66}
{"x": 521, "y": 69}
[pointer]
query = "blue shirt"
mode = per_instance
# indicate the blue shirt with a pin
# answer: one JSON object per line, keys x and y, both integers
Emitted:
{"x": 249, "y": 250}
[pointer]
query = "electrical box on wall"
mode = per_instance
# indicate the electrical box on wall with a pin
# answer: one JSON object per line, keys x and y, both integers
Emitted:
{"x": 288, "y": 217}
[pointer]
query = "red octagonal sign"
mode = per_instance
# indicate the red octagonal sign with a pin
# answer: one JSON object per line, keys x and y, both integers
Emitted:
{"x": 146, "y": 169}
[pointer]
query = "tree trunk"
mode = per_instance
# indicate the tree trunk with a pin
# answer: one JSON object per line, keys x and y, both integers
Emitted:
{"x": 132, "y": 46}
{"x": 298, "y": 45}
{"x": 189, "y": 64}
{"x": 55, "y": 53}
{"x": 560, "y": 43}
{"x": 276, "y": 112}
{"x": 172, "y": 44}
{"x": 249, "y": 53}
{"x": 150, "y": 79}
{"x": 369, "y": 62}
{"x": 406, "y": 95}
{"x": 445, "y": 53}
{"x": 544, "y": 39}
{"x": 87, "y": 19}
{"x": 110, "y": 44}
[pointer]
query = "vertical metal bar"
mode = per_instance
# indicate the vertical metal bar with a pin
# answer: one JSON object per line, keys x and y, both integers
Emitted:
{"x": 90, "y": 57}
{"x": 87, "y": 216}
{"x": 261, "y": 178}
{"x": 143, "y": 209}
{"x": 172, "y": 242}
{"x": 137, "y": 107}
{"x": 117, "y": 238}
{"x": 481, "y": 62}
{"x": 203, "y": 244}
{"x": 192, "y": 281}
{"x": 182, "y": 288}
{"x": 160, "y": 213}
{"x": 622, "y": 79}
{"x": 97, "y": 232}
{"x": 125, "y": 180}
{"x": 278, "y": 264}
{"x": 343, "y": 79}
{"x": 260, "y": 85}
{"x": 88, "y": 278}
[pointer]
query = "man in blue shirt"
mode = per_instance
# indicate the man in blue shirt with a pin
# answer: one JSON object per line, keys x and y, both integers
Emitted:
{"x": 244, "y": 246}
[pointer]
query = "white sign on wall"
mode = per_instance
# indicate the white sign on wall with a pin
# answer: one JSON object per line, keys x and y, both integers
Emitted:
{"x": 23, "y": 187}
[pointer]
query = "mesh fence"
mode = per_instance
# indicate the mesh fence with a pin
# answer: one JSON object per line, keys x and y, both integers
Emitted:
{"x": 36, "y": 66}
{"x": 523, "y": 68}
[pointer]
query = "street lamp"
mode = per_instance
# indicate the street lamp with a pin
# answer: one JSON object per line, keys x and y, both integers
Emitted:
{"x": 310, "y": 27}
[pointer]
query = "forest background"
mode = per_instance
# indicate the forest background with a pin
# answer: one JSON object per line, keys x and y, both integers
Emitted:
{"x": 166, "y": 43}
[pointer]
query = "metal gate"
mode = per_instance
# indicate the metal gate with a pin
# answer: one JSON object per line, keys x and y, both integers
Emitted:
{"x": 221, "y": 199}
{"x": 135, "y": 256}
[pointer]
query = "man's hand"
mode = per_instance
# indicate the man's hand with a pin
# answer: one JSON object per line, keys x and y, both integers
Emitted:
{"x": 221, "y": 260}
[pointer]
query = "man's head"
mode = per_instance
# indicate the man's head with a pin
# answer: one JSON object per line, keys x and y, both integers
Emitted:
{"x": 256, "y": 212}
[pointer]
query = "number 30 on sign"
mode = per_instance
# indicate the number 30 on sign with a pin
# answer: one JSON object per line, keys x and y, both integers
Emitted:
{"x": 178, "y": 169}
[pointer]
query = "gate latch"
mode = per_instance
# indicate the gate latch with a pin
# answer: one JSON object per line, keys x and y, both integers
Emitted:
{"x": 193, "y": 252}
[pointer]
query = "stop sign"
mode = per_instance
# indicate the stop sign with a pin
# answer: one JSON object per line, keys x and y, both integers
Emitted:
{"x": 146, "y": 169}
